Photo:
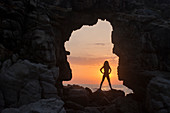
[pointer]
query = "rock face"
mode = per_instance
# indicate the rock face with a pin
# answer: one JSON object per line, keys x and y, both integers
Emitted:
{"x": 36, "y": 30}
{"x": 85, "y": 97}
{"x": 77, "y": 94}
{"x": 2, "y": 101}
{"x": 158, "y": 100}
{"x": 105, "y": 97}
{"x": 42, "y": 106}
{"x": 24, "y": 82}
{"x": 113, "y": 101}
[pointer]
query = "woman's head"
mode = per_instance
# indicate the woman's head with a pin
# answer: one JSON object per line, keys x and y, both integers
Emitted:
{"x": 106, "y": 63}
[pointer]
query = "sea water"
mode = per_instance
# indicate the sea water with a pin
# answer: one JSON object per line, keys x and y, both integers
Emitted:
{"x": 94, "y": 87}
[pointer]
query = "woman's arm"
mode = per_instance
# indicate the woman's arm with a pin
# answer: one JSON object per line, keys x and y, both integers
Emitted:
{"x": 101, "y": 70}
{"x": 110, "y": 70}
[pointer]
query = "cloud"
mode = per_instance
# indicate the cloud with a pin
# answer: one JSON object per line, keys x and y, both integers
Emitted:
{"x": 90, "y": 61}
{"x": 100, "y": 44}
{"x": 97, "y": 44}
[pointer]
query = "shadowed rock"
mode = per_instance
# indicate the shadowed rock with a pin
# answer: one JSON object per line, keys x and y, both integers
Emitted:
{"x": 76, "y": 94}
{"x": 94, "y": 102}
{"x": 158, "y": 99}
{"x": 22, "y": 83}
{"x": 2, "y": 104}
{"x": 36, "y": 30}
{"x": 42, "y": 106}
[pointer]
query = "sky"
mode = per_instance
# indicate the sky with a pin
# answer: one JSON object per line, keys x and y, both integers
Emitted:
{"x": 89, "y": 47}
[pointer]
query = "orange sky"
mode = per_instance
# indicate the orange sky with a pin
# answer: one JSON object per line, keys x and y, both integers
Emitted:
{"x": 90, "y": 46}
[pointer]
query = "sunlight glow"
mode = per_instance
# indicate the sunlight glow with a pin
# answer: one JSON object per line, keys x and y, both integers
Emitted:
{"x": 90, "y": 46}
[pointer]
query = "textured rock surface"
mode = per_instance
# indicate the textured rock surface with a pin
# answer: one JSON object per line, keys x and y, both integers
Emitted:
{"x": 76, "y": 94}
{"x": 124, "y": 105}
{"x": 23, "y": 82}
{"x": 42, "y": 106}
{"x": 127, "y": 105}
{"x": 2, "y": 101}
{"x": 158, "y": 100}
{"x": 105, "y": 97}
{"x": 113, "y": 101}
{"x": 36, "y": 30}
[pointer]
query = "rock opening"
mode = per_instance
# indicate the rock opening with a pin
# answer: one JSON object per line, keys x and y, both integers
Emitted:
{"x": 89, "y": 47}
{"x": 32, "y": 53}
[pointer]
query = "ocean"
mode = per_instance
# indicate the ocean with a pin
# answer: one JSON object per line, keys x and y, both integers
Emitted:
{"x": 94, "y": 87}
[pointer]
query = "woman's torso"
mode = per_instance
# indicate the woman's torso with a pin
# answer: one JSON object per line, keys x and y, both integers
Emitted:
{"x": 106, "y": 70}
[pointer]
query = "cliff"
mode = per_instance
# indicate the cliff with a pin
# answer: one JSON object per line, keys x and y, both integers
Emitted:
{"x": 33, "y": 59}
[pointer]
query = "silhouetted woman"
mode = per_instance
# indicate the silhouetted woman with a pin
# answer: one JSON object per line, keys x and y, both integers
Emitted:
{"x": 107, "y": 71}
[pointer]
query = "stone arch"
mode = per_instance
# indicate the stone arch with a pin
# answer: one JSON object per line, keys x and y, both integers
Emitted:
{"x": 132, "y": 37}
{"x": 94, "y": 40}
{"x": 141, "y": 38}
{"x": 127, "y": 45}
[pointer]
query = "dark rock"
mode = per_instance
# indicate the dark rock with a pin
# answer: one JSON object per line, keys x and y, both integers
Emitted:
{"x": 99, "y": 98}
{"x": 4, "y": 53}
{"x": 51, "y": 105}
{"x": 111, "y": 109}
{"x": 91, "y": 110}
{"x": 79, "y": 5}
{"x": 105, "y": 97}
{"x": 31, "y": 92}
{"x": 50, "y": 76}
{"x": 126, "y": 105}
{"x": 70, "y": 111}
{"x": 158, "y": 99}
{"x": 21, "y": 83}
{"x": 48, "y": 90}
{"x": 37, "y": 31}
{"x": 15, "y": 58}
{"x": 73, "y": 105}
{"x": 77, "y": 94}
{"x": 82, "y": 100}
{"x": 6, "y": 64}
{"x": 89, "y": 90}
{"x": 113, "y": 94}
{"x": 41, "y": 40}
{"x": 2, "y": 104}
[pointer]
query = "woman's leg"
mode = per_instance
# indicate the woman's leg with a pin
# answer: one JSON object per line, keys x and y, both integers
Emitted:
{"x": 108, "y": 78}
{"x": 102, "y": 82}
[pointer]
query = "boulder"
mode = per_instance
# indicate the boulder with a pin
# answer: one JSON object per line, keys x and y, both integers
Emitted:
{"x": 73, "y": 105}
{"x": 21, "y": 82}
{"x": 6, "y": 64}
{"x": 76, "y": 94}
{"x": 50, "y": 76}
{"x": 48, "y": 90}
{"x": 85, "y": 110}
{"x": 4, "y": 53}
{"x": 10, "y": 110}
{"x": 91, "y": 110}
{"x": 126, "y": 105}
{"x": 113, "y": 94}
{"x": 42, "y": 45}
{"x": 79, "y": 96}
{"x": 31, "y": 92}
{"x": 51, "y": 105}
{"x": 70, "y": 111}
{"x": 15, "y": 57}
{"x": 158, "y": 95}
{"x": 38, "y": 29}
{"x": 99, "y": 98}
{"x": 2, "y": 104}
{"x": 110, "y": 109}
{"x": 105, "y": 97}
